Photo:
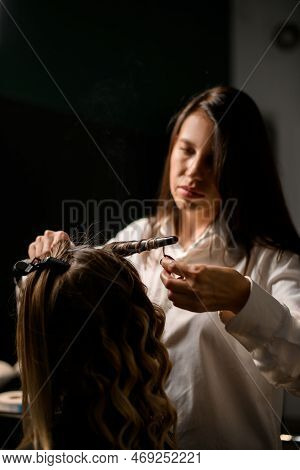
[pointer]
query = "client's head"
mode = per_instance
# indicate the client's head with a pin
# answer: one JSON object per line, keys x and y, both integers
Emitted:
{"x": 88, "y": 342}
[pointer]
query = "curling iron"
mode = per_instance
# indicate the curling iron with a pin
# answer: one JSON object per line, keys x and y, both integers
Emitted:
{"x": 25, "y": 267}
{"x": 138, "y": 246}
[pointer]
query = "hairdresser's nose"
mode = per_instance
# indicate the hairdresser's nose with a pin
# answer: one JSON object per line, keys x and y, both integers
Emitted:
{"x": 197, "y": 166}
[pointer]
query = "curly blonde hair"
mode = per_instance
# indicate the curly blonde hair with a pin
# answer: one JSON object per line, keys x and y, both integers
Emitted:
{"x": 90, "y": 352}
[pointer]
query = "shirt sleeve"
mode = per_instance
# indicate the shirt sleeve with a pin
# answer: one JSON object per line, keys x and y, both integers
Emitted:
{"x": 268, "y": 326}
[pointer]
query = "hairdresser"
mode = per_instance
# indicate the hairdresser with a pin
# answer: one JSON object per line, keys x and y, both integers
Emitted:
{"x": 231, "y": 287}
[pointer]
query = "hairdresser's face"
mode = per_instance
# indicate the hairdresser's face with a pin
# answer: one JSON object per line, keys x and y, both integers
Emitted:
{"x": 192, "y": 180}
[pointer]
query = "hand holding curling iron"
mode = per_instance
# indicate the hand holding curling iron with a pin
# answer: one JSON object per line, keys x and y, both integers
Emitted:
{"x": 199, "y": 288}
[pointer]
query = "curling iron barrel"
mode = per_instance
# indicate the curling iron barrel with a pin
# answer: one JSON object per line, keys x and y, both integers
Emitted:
{"x": 131, "y": 247}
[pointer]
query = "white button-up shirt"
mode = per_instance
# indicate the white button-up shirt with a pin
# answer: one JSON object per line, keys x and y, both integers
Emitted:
{"x": 225, "y": 381}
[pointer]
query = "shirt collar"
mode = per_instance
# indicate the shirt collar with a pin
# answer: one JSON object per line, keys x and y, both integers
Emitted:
{"x": 217, "y": 230}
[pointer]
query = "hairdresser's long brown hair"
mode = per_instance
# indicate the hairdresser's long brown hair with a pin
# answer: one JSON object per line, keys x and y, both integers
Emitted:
{"x": 91, "y": 337}
{"x": 245, "y": 171}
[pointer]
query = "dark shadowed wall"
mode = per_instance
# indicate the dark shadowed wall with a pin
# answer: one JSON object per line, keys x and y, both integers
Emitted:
{"x": 124, "y": 68}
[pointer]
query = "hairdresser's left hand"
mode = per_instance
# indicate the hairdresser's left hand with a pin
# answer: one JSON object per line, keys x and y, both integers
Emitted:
{"x": 204, "y": 288}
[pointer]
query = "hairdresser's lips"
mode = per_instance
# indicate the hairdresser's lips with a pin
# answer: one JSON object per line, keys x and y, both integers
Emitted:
{"x": 189, "y": 192}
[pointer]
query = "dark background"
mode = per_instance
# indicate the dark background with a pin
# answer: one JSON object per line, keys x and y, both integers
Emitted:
{"x": 125, "y": 68}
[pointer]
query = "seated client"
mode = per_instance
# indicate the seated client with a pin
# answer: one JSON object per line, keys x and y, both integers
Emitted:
{"x": 93, "y": 367}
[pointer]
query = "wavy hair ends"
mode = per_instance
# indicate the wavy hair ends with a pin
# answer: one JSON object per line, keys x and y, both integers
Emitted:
{"x": 91, "y": 336}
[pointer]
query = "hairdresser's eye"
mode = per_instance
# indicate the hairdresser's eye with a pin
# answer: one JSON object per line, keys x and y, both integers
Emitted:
{"x": 187, "y": 150}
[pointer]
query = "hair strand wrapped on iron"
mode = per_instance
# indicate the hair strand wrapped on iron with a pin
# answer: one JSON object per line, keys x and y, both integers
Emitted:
{"x": 138, "y": 246}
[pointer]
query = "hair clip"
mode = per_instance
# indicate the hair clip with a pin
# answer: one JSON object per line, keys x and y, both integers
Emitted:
{"x": 25, "y": 267}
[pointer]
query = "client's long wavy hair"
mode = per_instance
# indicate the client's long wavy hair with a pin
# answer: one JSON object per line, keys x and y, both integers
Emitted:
{"x": 88, "y": 342}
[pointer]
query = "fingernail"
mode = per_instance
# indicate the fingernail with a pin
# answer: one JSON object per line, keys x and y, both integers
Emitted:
{"x": 167, "y": 258}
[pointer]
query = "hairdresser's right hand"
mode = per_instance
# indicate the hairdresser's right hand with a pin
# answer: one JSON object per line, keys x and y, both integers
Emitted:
{"x": 43, "y": 243}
